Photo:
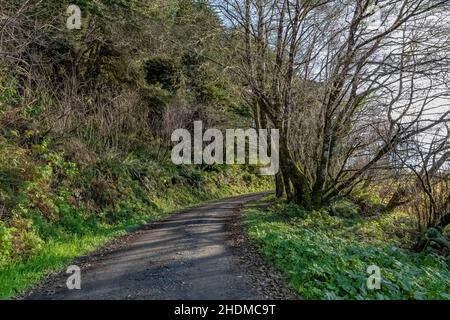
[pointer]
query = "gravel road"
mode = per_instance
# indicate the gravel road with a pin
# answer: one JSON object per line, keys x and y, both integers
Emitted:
{"x": 200, "y": 253}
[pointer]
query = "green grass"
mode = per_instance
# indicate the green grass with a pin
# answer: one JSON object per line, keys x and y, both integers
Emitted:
{"x": 57, "y": 253}
{"x": 325, "y": 257}
{"x": 19, "y": 276}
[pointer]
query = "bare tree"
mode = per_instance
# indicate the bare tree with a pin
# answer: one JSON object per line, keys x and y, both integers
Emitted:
{"x": 428, "y": 196}
{"x": 342, "y": 92}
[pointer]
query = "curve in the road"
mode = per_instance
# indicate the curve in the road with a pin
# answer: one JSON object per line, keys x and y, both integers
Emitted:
{"x": 185, "y": 256}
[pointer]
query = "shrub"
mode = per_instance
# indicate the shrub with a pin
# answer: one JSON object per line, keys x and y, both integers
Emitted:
{"x": 193, "y": 177}
{"x": 18, "y": 241}
{"x": 291, "y": 211}
{"x": 164, "y": 72}
{"x": 434, "y": 240}
{"x": 248, "y": 178}
{"x": 5, "y": 244}
{"x": 344, "y": 208}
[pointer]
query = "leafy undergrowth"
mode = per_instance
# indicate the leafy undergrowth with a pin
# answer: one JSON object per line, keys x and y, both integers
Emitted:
{"x": 53, "y": 211}
{"x": 327, "y": 257}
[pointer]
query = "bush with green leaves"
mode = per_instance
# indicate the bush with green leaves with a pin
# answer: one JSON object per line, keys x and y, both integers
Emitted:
{"x": 344, "y": 208}
{"x": 5, "y": 244}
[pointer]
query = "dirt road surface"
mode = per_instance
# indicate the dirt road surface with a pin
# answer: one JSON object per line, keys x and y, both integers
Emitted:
{"x": 200, "y": 253}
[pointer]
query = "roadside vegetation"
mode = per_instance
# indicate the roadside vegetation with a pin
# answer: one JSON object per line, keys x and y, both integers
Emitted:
{"x": 50, "y": 225}
{"x": 359, "y": 93}
{"x": 362, "y": 110}
{"x": 86, "y": 118}
{"x": 325, "y": 254}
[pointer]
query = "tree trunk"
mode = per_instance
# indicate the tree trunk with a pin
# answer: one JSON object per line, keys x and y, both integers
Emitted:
{"x": 300, "y": 192}
{"x": 397, "y": 199}
{"x": 279, "y": 183}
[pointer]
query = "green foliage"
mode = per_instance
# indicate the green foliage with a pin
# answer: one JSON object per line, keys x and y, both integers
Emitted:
{"x": 323, "y": 259}
{"x": 436, "y": 240}
{"x": 109, "y": 10}
{"x": 163, "y": 72}
{"x": 9, "y": 92}
{"x": 18, "y": 240}
{"x": 369, "y": 202}
{"x": 193, "y": 178}
{"x": 344, "y": 208}
{"x": 5, "y": 244}
{"x": 248, "y": 178}
{"x": 290, "y": 210}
